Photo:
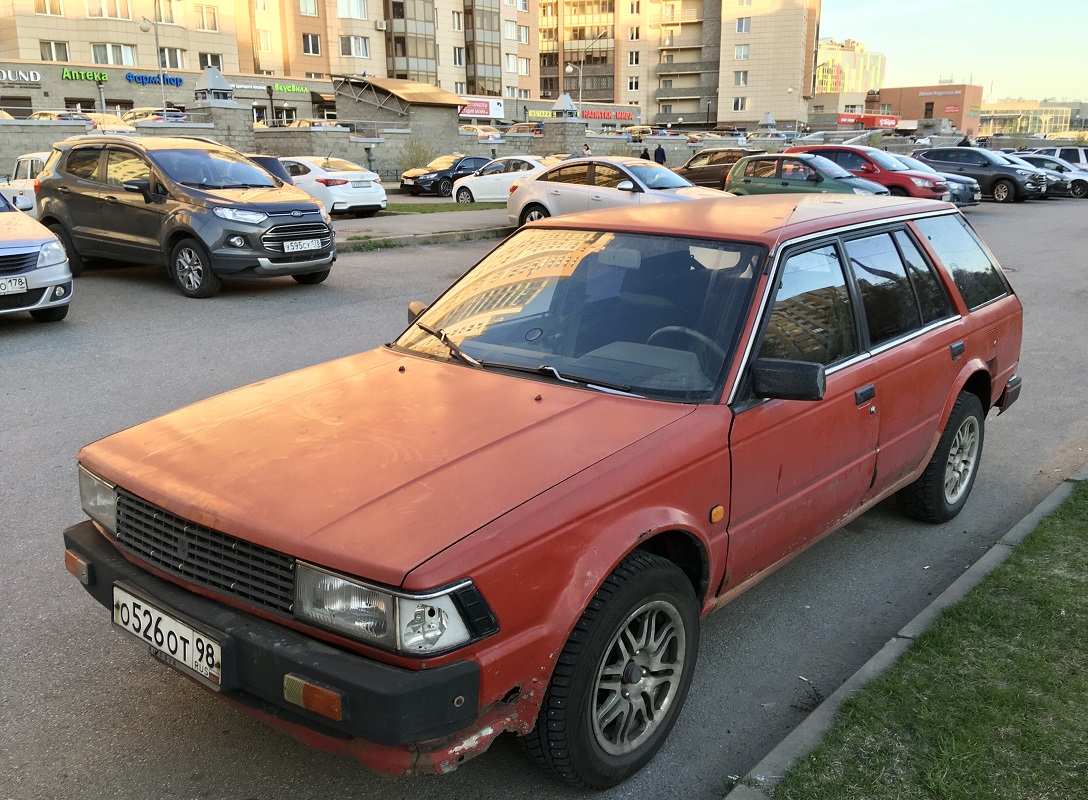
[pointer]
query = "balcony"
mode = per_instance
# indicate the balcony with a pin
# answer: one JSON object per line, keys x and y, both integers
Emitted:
{"x": 671, "y": 40}
{"x": 687, "y": 68}
{"x": 689, "y": 92}
{"x": 675, "y": 18}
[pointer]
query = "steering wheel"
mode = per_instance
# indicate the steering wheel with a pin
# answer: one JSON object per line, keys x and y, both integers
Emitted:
{"x": 708, "y": 346}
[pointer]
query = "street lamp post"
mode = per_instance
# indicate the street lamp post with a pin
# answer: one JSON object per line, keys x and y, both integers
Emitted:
{"x": 708, "y": 113}
{"x": 581, "y": 63}
{"x": 146, "y": 26}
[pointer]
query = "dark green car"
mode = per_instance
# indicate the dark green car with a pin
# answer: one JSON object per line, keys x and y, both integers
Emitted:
{"x": 794, "y": 173}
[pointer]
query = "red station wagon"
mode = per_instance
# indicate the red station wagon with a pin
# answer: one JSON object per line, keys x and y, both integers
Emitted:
{"x": 877, "y": 166}
{"x": 512, "y": 517}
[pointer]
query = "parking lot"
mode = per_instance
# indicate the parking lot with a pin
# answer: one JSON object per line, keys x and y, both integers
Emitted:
{"x": 83, "y": 713}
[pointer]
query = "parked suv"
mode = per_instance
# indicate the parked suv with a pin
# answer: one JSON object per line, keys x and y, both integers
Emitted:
{"x": 1077, "y": 156}
{"x": 710, "y": 165}
{"x": 512, "y": 517}
{"x": 880, "y": 167}
{"x": 199, "y": 208}
{"x": 999, "y": 179}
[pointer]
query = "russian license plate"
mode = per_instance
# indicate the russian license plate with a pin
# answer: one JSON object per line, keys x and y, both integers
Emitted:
{"x": 360, "y": 184}
{"x": 408, "y": 182}
{"x": 13, "y": 285}
{"x": 946, "y": 196}
{"x": 181, "y": 646}
{"x": 301, "y": 244}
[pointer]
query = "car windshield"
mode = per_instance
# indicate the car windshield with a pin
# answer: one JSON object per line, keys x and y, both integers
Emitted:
{"x": 340, "y": 165}
{"x": 656, "y": 176}
{"x": 885, "y": 160}
{"x": 655, "y": 316}
{"x": 442, "y": 162}
{"x": 915, "y": 164}
{"x": 5, "y": 205}
{"x": 211, "y": 169}
{"x": 828, "y": 167}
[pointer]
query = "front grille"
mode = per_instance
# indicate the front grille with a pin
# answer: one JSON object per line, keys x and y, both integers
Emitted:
{"x": 274, "y": 237}
{"x": 18, "y": 262}
{"x": 205, "y": 556}
{"x": 9, "y": 302}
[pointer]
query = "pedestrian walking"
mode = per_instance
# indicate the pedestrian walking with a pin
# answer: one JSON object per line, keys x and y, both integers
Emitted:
{"x": 659, "y": 154}
{"x": 966, "y": 140}
{"x": 645, "y": 154}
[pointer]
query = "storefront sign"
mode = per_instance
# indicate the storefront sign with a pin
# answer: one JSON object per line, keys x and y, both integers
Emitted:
{"x": 154, "y": 79}
{"x": 84, "y": 75}
{"x": 591, "y": 114}
{"x": 20, "y": 76}
{"x": 869, "y": 120}
{"x": 290, "y": 88}
{"x": 534, "y": 113}
{"x": 951, "y": 109}
{"x": 486, "y": 107}
{"x": 938, "y": 94}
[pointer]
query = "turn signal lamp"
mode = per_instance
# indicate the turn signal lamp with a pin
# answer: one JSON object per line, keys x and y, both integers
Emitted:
{"x": 318, "y": 699}
{"x": 81, "y": 569}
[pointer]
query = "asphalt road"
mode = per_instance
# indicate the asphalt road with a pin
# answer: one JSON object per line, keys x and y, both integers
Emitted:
{"x": 86, "y": 714}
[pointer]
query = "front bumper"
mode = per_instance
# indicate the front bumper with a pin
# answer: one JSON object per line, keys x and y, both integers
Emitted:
{"x": 46, "y": 287}
{"x": 384, "y": 705}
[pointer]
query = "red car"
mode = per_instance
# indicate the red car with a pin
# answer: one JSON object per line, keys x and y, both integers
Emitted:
{"x": 512, "y": 517}
{"x": 876, "y": 165}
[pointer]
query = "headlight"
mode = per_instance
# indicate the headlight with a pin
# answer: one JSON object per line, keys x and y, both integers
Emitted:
{"x": 240, "y": 215}
{"x": 1026, "y": 174}
{"x": 51, "y": 253}
{"x": 408, "y": 623}
{"x": 862, "y": 191}
{"x": 99, "y": 499}
{"x": 428, "y": 175}
{"x": 922, "y": 182}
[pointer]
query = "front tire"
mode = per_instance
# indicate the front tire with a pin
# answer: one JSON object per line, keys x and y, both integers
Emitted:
{"x": 75, "y": 260}
{"x": 622, "y": 678}
{"x": 898, "y": 191}
{"x": 191, "y": 270}
{"x": 312, "y": 278}
{"x": 533, "y": 213}
{"x": 941, "y": 492}
{"x": 1004, "y": 192}
{"x": 445, "y": 187}
{"x": 52, "y": 314}
{"x": 464, "y": 195}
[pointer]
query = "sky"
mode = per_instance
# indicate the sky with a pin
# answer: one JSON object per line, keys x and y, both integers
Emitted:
{"x": 1034, "y": 49}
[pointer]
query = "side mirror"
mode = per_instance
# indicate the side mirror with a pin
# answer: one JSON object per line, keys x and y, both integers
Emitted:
{"x": 139, "y": 186}
{"x": 415, "y": 308}
{"x": 868, "y": 168}
{"x": 626, "y": 186}
{"x": 780, "y": 379}
{"x": 814, "y": 178}
{"x": 22, "y": 203}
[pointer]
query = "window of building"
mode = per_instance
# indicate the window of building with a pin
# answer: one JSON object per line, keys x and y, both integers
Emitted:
{"x": 523, "y": 34}
{"x": 632, "y": 83}
{"x": 511, "y": 62}
{"x": 740, "y": 52}
{"x": 307, "y": 8}
{"x": 260, "y": 5}
{"x": 458, "y": 56}
{"x": 510, "y": 29}
{"x": 740, "y": 103}
{"x": 523, "y": 5}
{"x": 311, "y": 44}
{"x": 266, "y": 72}
{"x": 667, "y": 59}
{"x": 166, "y": 11}
{"x": 853, "y": 108}
{"x": 633, "y": 35}
{"x": 511, "y": 91}
{"x": 351, "y": 9}
{"x": 460, "y": 88}
{"x": 817, "y": 109}
{"x": 207, "y": 18}
{"x": 523, "y": 66}
{"x": 744, "y": 25}
{"x": 54, "y": 51}
{"x": 632, "y": 58}
{"x": 458, "y": 20}
{"x": 54, "y": 8}
{"x": 211, "y": 60}
{"x": 171, "y": 58}
{"x": 666, "y": 108}
{"x": 523, "y": 94}
{"x": 264, "y": 41}
{"x": 315, "y": 75}
{"x": 109, "y": 9}
{"x": 740, "y": 77}
{"x": 885, "y": 108}
{"x": 636, "y": 7}
{"x": 744, "y": 3}
{"x": 355, "y": 46}
{"x": 120, "y": 54}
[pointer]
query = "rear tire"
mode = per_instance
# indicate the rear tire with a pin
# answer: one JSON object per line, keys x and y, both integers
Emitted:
{"x": 622, "y": 677}
{"x": 312, "y": 278}
{"x": 191, "y": 270}
{"x": 941, "y": 491}
{"x": 1004, "y": 191}
{"x": 1079, "y": 189}
{"x": 54, "y": 314}
{"x": 532, "y": 213}
{"x": 75, "y": 260}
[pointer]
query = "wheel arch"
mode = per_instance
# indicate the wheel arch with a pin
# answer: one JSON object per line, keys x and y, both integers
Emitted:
{"x": 687, "y": 552}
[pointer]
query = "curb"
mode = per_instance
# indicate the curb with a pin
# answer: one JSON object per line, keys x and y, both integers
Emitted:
{"x": 759, "y": 782}
{"x": 413, "y": 239}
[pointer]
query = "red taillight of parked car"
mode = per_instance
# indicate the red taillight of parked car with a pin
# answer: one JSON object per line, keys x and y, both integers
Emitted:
{"x": 331, "y": 181}
{"x": 37, "y": 185}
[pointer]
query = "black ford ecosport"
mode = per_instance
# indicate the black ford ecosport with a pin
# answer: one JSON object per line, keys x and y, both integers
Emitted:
{"x": 198, "y": 207}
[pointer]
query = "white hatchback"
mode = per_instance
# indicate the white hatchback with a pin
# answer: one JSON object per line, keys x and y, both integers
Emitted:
{"x": 341, "y": 186}
{"x": 491, "y": 182}
{"x": 593, "y": 182}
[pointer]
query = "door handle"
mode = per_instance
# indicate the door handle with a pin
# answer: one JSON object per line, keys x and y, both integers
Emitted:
{"x": 64, "y": 190}
{"x": 864, "y": 394}
{"x": 111, "y": 199}
{"x": 746, "y": 180}
{"x": 957, "y": 349}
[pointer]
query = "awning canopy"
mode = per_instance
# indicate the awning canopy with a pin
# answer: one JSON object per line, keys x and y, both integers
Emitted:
{"x": 393, "y": 94}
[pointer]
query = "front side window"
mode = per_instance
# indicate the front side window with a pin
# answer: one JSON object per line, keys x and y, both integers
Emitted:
{"x": 608, "y": 177}
{"x": 812, "y": 318}
{"x": 886, "y": 292}
{"x": 974, "y": 273}
{"x": 624, "y": 312}
{"x": 122, "y": 166}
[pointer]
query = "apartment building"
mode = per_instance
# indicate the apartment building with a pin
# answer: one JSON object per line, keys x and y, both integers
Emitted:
{"x": 847, "y": 68}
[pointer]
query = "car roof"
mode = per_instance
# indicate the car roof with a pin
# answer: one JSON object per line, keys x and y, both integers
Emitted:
{"x": 766, "y": 219}
{"x": 145, "y": 142}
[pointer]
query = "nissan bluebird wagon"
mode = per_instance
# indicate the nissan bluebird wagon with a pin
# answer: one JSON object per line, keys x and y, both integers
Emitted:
{"x": 512, "y": 517}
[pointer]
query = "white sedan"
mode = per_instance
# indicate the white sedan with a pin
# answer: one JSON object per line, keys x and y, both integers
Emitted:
{"x": 491, "y": 182}
{"x": 342, "y": 187}
{"x": 594, "y": 182}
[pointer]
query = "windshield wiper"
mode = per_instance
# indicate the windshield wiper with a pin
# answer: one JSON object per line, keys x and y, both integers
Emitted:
{"x": 452, "y": 346}
{"x": 564, "y": 377}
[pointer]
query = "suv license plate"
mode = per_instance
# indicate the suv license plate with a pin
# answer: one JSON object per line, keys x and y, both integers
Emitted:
{"x": 13, "y": 285}
{"x": 301, "y": 244}
{"x": 170, "y": 640}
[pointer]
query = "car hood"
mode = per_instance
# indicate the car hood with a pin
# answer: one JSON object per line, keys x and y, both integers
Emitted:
{"x": 271, "y": 199}
{"x": 415, "y": 173}
{"x": 374, "y": 463}
{"x": 953, "y": 178}
{"x": 18, "y": 232}
{"x": 863, "y": 183}
{"x": 691, "y": 193}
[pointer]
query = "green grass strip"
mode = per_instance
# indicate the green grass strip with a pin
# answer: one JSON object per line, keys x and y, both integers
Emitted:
{"x": 434, "y": 208}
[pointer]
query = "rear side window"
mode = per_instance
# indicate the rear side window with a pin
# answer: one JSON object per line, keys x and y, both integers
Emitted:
{"x": 83, "y": 163}
{"x": 886, "y": 292}
{"x": 759, "y": 169}
{"x": 812, "y": 318}
{"x": 575, "y": 173}
{"x": 933, "y": 301}
{"x": 975, "y": 275}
